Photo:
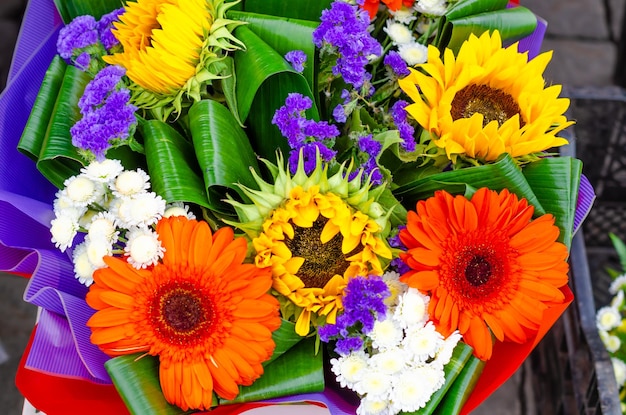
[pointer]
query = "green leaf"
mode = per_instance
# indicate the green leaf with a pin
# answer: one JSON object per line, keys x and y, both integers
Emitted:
{"x": 503, "y": 174}
{"x": 223, "y": 153}
{"x": 285, "y": 35}
{"x": 299, "y": 370}
{"x": 298, "y": 9}
{"x": 264, "y": 81}
{"x": 466, "y": 8}
{"x": 35, "y": 130}
{"x": 555, "y": 181}
{"x": 285, "y": 338}
{"x": 136, "y": 378}
{"x": 58, "y": 158}
{"x": 174, "y": 170}
{"x": 462, "y": 387}
{"x": 620, "y": 248}
{"x": 70, "y": 9}
{"x": 461, "y": 355}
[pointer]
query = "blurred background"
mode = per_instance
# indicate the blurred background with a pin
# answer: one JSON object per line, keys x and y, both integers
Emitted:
{"x": 588, "y": 61}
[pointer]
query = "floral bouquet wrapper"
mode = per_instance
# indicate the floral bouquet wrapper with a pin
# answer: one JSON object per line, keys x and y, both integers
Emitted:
{"x": 332, "y": 207}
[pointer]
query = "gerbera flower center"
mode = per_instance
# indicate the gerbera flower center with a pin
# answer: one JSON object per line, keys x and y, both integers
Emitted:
{"x": 478, "y": 271}
{"x": 322, "y": 261}
{"x": 493, "y": 104}
{"x": 181, "y": 314}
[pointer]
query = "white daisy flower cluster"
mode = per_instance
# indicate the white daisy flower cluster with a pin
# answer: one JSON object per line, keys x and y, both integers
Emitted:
{"x": 612, "y": 327}
{"x": 404, "y": 363}
{"x": 406, "y": 22}
{"x": 115, "y": 211}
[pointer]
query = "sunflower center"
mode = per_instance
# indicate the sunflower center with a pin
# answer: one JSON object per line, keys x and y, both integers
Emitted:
{"x": 322, "y": 261}
{"x": 493, "y": 104}
{"x": 478, "y": 271}
{"x": 182, "y": 310}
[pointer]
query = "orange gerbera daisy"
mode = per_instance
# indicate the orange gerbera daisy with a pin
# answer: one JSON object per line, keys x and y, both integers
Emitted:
{"x": 371, "y": 6}
{"x": 489, "y": 268}
{"x": 206, "y": 314}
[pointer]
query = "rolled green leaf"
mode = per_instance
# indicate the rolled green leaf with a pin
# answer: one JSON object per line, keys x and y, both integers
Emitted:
{"x": 70, "y": 9}
{"x": 58, "y": 158}
{"x": 465, "y": 8}
{"x": 264, "y": 79}
{"x": 136, "y": 379}
{"x": 174, "y": 170}
{"x": 285, "y": 337}
{"x": 298, "y": 9}
{"x": 223, "y": 152}
{"x": 285, "y": 35}
{"x": 35, "y": 130}
{"x": 299, "y": 370}
{"x": 555, "y": 181}
{"x": 462, "y": 387}
{"x": 503, "y": 174}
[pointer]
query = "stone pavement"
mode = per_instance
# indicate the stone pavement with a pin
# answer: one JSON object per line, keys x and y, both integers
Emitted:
{"x": 584, "y": 36}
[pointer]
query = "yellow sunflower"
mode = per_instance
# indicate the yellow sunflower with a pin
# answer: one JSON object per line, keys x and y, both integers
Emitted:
{"x": 169, "y": 46}
{"x": 315, "y": 233}
{"x": 202, "y": 310}
{"x": 487, "y": 101}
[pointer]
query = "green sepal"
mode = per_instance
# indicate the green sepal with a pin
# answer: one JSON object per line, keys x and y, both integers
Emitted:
{"x": 503, "y": 174}
{"x": 462, "y": 387}
{"x": 174, "y": 170}
{"x": 223, "y": 152}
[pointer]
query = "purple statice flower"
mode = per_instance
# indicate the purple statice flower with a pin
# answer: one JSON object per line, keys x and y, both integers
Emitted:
{"x": 406, "y": 130}
{"x": 78, "y": 34}
{"x": 344, "y": 30}
{"x": 339, "y": 113}
{"x": 104, "y": 26}
{"x": 297, "y": 59}
{"x": 369, "y": 149}
{"x": 394, "y": 241}
{"x": 304, "y": 135}
{"x": 397, "y": 65}
{"x": 82, "y": 61}
{"x": 96, "y": 91}
{"x": 107, "y": 113}
{"x": 363, "y": 303}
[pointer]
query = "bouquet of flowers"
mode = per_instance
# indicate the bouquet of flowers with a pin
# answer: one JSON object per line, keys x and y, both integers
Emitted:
{"x": 610, "y": 320}
{"x": 232, "y": 204}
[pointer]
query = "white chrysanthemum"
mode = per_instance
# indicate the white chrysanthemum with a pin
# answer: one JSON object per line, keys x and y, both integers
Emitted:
{"x": 607, "y": 318}
{"x": 102, "y": 225}
{"x": 375, "y": 384}
{"x": 386, "y": 334}
{"x": 398, "y": 33}
{"x": 130, "y": 183}
{"x": 447, "y": 348}
{"x": 413, "y": 53}
{"x": 349, "y": 369}
{"x": 619, "y": 368}
{"x": 97, "y": 249}
{"x": 178, "y": 209}
{"x": 83, "y": 268}
{"x": 142, "y": 209}
{"x": 431, "y": 7}
{"x": 422, "y": 343}
{"x": 613, "y": 343}
{"x": 389, "y": 361}
{"x": 423, "y": 26}
{"x": 618, "y": 300}
{"x": 82, "y": 191}
{"x": 396, "y": 287}
{"x": 412, "y": 309}
{"x": 370, "y": 406}
{"x": 103, "y": 171}
{"x": 403, "y": 15}
{"x": 63, "y": 206}
{"x": 413, "y": 388}
{"x": 618, "y": 284}
{"x": 143, "y": 247}
{"x": 63, "y": 230}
